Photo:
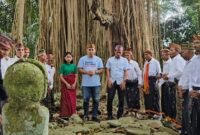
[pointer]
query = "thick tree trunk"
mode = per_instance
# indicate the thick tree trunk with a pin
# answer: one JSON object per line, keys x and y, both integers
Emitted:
{"x": 17, "y": 28}
{"x": 68, "y": 25}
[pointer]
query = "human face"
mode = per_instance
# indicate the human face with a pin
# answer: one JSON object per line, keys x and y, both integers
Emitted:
{"x": 128, "y": 56}
{"x": 91, "y": 52}
{"x": 196, "y": 45}
{"x": 26, "y": 53}
{"x": 68, "y": 58}
{"x": 164, "y": 55}
{"x": 43, "y": 57}
{"x": 50, "y": 59}
{"x": 147, "y": 56}
{"x": 4, "y": 52}
{"x": 118, "y": 52}
{"x": 172, "y": 52}
{"x": 20, "y": 52}
{"x": 186, "y": 54}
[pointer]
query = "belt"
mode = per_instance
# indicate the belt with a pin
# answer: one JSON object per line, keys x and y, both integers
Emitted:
{"x": 132, "y": 81}
{"x": 152, "y": 77}
{"x": 195, "y": 88}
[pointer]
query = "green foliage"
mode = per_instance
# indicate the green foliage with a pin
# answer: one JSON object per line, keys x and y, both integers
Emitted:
{"x": 6, "y": 16}
{"x": 31, "y": 21}
{"x": 178, "y": 29}
{"x": 179, "y": 20}
{"x": 31, "y": 25}
{"x": 193, "y": 11}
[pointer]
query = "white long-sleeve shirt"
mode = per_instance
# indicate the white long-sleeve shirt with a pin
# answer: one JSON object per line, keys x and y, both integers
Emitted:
{"x": 134, "y": 71}
{"x": 14, "y": 59}
{"x": 166, "y": 66}
{"x": 194, "y": 74}
{"x": 154, "y": 67}
{"x": 52, "y": 72}
{"x": 184, "y": 80}
{"x": 48, "y": 70}
{"x": 176, "y": 68}
{"x": 5, "y": 63}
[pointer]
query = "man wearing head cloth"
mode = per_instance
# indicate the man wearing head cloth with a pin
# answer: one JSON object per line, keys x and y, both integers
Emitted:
{"x": 194, "y": 89}
{"x": 5, "y": 62}
{"x": 19, "y": 52}
{"x": 133, "y": 82}
{"x": 151, "y": 72}
{"x": 50, "y": 61}
{"x": 173, "y": 76}
{"x": 189, "y": 55}
{"x": 166, "y": 93}
{"x": 116, "y": 70}
{"x": 42, "y": 57}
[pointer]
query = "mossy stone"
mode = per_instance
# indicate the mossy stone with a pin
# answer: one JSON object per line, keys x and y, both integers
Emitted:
{"x": 26, "y": 81}
{"x": 26, "y": 84}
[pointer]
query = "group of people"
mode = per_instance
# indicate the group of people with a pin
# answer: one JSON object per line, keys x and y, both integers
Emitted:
{"x": 178, "y": 79}
{"x": 22, "y": 52}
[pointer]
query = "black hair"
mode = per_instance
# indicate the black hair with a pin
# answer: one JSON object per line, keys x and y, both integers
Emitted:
{"x": 65, "y": 54}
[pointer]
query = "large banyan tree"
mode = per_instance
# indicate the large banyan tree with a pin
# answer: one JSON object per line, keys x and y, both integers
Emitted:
{"x": 68, "y": 25}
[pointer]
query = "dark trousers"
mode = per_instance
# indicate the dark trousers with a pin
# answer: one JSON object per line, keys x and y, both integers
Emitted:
{"x": 111, "y": 95}
{"x": 132, "y": 94}
{"x": 152, "y": 99}
{"x": 186, "y": 121}
{"x": 195, "y": 116}
{"x": 49, "y": 102}
{"x": 1, "y": 130}
{"x": 168, "y": 100}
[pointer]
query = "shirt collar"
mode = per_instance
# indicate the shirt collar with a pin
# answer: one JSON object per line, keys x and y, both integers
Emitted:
{"x": 167, "y": 61}
{"x": 175, "y": 57}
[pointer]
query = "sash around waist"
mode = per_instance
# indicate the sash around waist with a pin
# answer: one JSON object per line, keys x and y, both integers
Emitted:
{"x": 195, "y": 88}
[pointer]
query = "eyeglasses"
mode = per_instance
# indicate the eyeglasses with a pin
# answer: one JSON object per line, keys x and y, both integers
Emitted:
{"x": 20, "y": 49}
{"x": 90, "y": 49}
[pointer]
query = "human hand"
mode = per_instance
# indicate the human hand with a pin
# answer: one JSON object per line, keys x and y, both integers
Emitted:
{"x": 73, "y": 86}
{"x": 180, "y": 93}
{"x": 165, "y": 77}
{"x": 140, "y": 86}
{"x": 194, "y": 94}
{"x": 123, "y": 85}
{"x": 109, "y": 83}
{"x": 91, "y": 72}
{"x": 68, "y": 85}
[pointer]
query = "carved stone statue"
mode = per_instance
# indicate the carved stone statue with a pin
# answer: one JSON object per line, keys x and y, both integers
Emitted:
{"x": 26, "y": 85}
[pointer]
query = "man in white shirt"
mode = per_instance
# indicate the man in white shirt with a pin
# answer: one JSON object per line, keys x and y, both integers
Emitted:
{"x": 151, "y": 73}
{"x": 133, "y": 82}
{"x": 194, "y": 88}
{"x": 175, "y": 72}
{"x": 50, "y": 60}
{"x": 116, "y": 70}
{"x": 166, "y": 92}
{"x": 42, "y": 57}
{"x": 188, "y": 55}
{"x": 19, "y": 52}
